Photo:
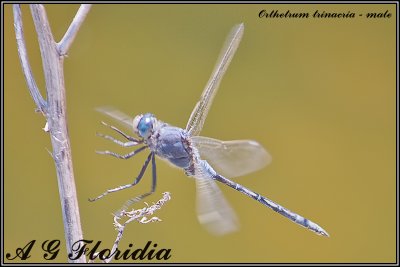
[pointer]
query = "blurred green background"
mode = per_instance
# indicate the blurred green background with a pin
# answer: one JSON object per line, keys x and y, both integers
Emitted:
{"x": 319, "y": 94}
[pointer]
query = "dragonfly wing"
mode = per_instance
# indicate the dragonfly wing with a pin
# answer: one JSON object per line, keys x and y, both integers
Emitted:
{"x": 199, "y": 113}
{"x": 213, "y": 210}
{"x": 232, "y": 158}
{"x": 117, "y": 115}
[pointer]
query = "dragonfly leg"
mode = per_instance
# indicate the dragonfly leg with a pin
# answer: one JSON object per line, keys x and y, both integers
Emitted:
{"x": 138, "y": 198}
{"x": 126, "y": 156}
{"x": 130, "y": 138}
{"x": 118, "y": 142}
{"x": 136, "y": 181}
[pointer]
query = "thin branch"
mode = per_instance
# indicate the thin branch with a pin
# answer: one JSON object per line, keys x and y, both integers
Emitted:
{"x": 69, "y": 37}
{"x": 23, "y": 57}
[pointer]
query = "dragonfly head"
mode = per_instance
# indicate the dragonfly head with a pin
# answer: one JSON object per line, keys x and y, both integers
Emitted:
{"x": 143, "y": 124}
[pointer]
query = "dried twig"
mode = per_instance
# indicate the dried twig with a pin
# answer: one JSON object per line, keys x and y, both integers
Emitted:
{"x": 139, "y": 215}
{"x": 54, "y": 109}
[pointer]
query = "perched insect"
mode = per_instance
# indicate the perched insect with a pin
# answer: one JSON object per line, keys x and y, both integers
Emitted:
{"x": 206, "y": 159}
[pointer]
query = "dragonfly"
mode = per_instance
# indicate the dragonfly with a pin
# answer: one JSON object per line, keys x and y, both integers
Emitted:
{"x": 206, "y": 159}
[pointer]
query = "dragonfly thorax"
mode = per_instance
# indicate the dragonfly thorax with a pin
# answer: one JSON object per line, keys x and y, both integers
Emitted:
{"x": 143, "y": 124}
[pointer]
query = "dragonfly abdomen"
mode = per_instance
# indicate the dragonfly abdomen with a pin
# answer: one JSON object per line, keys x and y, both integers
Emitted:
{"x": 274, "y": 206}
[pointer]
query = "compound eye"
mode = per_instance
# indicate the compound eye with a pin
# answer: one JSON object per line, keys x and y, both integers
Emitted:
{"x": 135, "y": 123}
{"x": 145, "y": 125}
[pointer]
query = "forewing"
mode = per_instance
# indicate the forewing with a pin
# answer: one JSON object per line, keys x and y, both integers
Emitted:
{"x": 232, "y": 158}
{"x": 213, "y": 210}
{"x": 199, "y": 113}
{"x": 117, "y": 115}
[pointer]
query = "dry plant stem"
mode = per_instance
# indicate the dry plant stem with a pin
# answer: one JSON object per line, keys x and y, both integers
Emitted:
{"x": 54, "y": 110}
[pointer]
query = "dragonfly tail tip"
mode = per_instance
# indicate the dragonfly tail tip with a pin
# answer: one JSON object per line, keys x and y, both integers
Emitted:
{"x": 323, "y": 232}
